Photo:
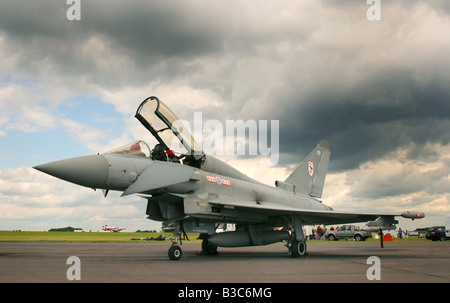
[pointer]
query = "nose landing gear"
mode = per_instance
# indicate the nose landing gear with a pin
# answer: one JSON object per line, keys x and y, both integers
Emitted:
{"x": 175, "y": 252}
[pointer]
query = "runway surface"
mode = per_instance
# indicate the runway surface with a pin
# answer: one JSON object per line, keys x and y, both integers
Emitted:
{"x": 148, "y": 262}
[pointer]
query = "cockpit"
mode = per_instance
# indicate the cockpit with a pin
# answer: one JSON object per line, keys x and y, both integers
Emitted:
{"x": 175, "y": 143}
{"x": 136, "y": 148}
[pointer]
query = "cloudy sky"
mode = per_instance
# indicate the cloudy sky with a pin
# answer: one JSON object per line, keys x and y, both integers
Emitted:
{"x": 378, "y": 91}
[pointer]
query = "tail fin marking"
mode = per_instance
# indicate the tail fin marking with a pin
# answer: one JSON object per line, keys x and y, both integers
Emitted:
{"x": 309, "y": 176}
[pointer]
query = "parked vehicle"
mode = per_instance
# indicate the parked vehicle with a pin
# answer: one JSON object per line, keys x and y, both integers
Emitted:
{"x": 347, "y": 231}
{"x": 436, "y": 233}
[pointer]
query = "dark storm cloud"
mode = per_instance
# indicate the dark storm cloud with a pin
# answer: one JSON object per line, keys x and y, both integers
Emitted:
{"x": 156, "y": 29}
{"x": 370, "y": 119}
{"x": 157, "y": 39}
{"x": 145, "y": 41}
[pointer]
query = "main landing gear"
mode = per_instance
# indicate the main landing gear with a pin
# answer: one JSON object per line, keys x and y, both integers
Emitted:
{"x": 208, "y": 248}
{"x": 296, "y": 243}
{"x": 297, "y": 248}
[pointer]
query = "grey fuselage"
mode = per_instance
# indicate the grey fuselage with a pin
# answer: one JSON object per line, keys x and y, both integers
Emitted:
{"x": 198, "y": 197}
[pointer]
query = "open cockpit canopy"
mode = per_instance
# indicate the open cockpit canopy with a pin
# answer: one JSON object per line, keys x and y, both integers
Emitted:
{"x": 167, "y": 128}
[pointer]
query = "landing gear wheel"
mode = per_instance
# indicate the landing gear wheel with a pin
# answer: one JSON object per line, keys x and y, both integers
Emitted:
{"x": 208, "y": 248}
{"x": 298, "y": 249}
{"x": 175, "y": 252}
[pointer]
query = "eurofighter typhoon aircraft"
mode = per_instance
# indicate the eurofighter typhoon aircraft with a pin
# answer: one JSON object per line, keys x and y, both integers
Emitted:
{"x": 198, "y": 191}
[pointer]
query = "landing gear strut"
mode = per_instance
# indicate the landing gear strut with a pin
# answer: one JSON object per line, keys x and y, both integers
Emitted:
{"x": 175, "y": 251}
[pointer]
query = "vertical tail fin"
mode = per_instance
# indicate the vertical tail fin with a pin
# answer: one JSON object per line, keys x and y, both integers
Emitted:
{"x": 309, "y": 176}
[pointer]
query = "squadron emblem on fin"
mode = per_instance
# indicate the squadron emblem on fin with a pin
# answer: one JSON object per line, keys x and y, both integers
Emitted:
{"x": 311, "y": 168}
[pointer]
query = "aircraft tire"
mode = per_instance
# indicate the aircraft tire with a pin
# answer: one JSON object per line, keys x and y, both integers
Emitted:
{"x": 298, "y": 249}
{"x": 208, "y": 248}
{"x": 175, "y": 252}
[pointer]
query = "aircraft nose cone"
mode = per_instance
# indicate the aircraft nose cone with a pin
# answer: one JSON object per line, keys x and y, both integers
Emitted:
{"x": 89, "y": 171}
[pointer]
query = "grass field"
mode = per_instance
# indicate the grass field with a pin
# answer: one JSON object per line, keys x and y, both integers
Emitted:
{"x": 42, "y": 236}
{"x": 64, "y": 236}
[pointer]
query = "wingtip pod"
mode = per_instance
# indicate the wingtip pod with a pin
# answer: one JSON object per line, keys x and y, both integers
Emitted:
{"x": 413, "y": 215}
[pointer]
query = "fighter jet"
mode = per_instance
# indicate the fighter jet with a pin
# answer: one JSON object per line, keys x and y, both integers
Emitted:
{"x": 198, "y": 191}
